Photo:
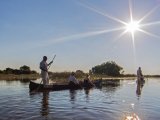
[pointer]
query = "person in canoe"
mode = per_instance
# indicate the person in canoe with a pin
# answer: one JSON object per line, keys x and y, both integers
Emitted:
{"x": 87, "y": 82}
{"x": 73, "y": 81}
{"x": 140, "y": 78}
{"x": 44, "y": 70}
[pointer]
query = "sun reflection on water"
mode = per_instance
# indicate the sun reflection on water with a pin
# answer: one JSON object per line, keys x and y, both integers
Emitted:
{"x": 132, "y": 117}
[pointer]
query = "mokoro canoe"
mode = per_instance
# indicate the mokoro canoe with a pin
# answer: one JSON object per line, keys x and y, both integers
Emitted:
{"x": 33, "y": 86}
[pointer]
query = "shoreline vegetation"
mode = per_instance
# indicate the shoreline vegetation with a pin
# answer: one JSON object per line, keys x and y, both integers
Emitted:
{"x": 106, "y": 71}
{"x": 63, "y": 76}
{"x": 19, "y": 77}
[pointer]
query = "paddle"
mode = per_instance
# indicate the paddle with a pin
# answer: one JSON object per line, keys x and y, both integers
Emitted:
{"x": 51, "y": 61}
{"x": 49, "y": 65}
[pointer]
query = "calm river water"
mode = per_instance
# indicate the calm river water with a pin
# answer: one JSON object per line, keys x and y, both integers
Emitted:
{"x": 106, "y": 103}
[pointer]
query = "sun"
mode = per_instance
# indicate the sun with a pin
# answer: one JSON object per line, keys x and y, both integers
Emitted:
{"x": 126, "y": 27}
{"x": 132, "y": 26}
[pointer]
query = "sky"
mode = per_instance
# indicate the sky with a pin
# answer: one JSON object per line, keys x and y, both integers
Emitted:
{"x": 81, "y": 33}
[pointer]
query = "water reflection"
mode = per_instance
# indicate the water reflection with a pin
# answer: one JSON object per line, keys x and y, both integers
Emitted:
{"x": 16, "y": 81}
{"x": 17, "y": 104}
{"x": 9, "y": 82}
{"x": 110, "y": 89}
{"x": 139, "y": 89}
{"x": 25, "y": 81}
{"x": 72, "y": 95}
{"x": 87, "y": 92}
{"x": 132, "y": 117}
{"x": 110, "y": 86}
{"x": 45, "y": 104}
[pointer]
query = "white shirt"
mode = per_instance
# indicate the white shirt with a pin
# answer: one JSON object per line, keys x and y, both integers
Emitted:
{"x": 43, "y": 65}
{"x": 73, "y": 79}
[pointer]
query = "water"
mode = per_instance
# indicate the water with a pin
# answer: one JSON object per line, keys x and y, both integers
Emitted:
{"x": 107, "y": 103}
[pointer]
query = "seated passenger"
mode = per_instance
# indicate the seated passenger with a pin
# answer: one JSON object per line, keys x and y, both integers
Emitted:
{"x": 87, "y": 82}
{"x": 72, "y": 79}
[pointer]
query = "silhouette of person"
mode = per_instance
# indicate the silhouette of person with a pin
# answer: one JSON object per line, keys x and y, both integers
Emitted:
{"x": 44, "y": 70}
{"x": 73, "y": 82}
{"x": 87, "y": 82}
{"x": 140, "y": 77}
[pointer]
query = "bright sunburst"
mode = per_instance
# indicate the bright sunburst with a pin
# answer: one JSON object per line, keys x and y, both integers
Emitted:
{"x": 132, "y": 27}
{"x": 128, "y": 27}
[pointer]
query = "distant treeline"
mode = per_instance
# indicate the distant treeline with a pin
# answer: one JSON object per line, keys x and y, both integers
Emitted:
{"x": 22, "y": 70}
{"x": 106, "y": 69}
{"x": 65, "y": 75}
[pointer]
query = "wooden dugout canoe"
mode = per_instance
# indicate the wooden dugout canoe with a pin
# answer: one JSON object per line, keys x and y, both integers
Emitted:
{"x": 33, "y": 86}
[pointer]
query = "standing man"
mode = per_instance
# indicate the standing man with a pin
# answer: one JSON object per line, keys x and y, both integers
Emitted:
{"x": 44, "y": 70}
{"x": 139, "y": 75}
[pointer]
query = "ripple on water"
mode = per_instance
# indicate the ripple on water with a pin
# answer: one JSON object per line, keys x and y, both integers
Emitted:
{"x": 107, "y": 103}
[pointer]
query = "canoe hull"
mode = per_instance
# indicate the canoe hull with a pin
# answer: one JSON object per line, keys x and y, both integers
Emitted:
{"x": 54, "y": 87}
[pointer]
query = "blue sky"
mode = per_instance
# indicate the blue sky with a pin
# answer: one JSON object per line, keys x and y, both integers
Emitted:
{"x": 81, "y": 33}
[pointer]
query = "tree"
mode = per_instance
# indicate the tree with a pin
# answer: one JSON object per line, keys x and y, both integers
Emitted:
{"x": 16, "y": 71}
{"x": 25, "y": 69}
{"x": 22, "y": 70}
{"x": 33, "y": 72}
{"x": 109, "y": 68}
{"x": 79, "y": 73}
{"x": 8, "y": 71}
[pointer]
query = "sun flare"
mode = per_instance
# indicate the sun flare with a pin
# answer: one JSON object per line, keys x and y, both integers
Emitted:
{"x": 127, "y": 27}
{"x": 132, "y": 26}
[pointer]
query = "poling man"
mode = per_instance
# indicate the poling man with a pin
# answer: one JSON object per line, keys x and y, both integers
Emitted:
{"x": 44, "y": 70}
